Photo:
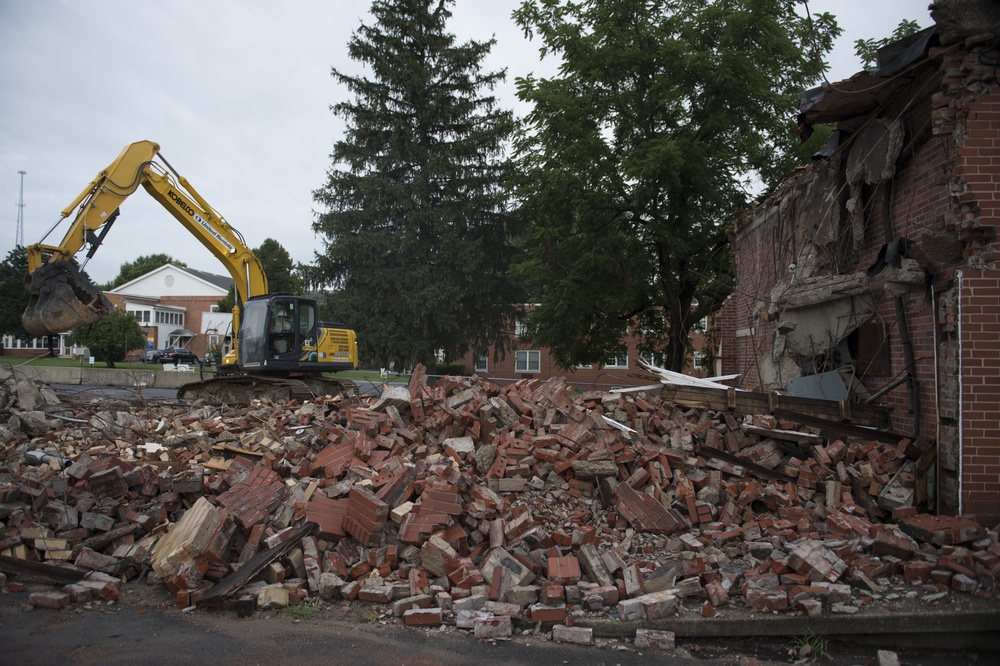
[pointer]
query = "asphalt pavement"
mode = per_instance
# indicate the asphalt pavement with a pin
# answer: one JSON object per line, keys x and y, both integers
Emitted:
{"x": 144, "y": 627}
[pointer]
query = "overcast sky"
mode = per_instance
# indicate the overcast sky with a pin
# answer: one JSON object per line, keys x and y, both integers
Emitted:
{"x": 237, "y": 94}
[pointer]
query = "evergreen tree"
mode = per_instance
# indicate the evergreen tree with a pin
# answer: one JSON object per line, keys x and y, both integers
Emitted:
{"x": 639, "y": 152}
{"x": 416, "y": 222}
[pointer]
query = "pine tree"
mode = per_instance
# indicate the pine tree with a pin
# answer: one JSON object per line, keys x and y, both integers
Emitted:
{"x": 416, "y": 223}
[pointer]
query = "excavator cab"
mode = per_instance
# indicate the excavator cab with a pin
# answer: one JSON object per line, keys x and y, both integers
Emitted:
{"x": 281, "y": 334}
{"x": 61, "y": 298}
{"x": 273, "y": 331}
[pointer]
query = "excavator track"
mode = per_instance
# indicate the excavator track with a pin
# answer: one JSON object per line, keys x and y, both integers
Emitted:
{"x": 243, "y": 389}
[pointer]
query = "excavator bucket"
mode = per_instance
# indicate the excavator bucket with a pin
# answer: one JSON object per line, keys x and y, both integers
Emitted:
{"x": 61, "y": 298}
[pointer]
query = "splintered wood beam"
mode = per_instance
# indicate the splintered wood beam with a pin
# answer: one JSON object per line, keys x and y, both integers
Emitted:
{"x": 751, "y": 402}
{"x": 252, "y": 567}
{"x": 841, "y": 429}
{"x": 754, "y": 468}
{"x": 42, "y": 571}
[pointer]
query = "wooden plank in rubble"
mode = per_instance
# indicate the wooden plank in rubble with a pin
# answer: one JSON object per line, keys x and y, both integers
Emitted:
{"x": 751, "y": 402}
{"x": 234, "y": 581}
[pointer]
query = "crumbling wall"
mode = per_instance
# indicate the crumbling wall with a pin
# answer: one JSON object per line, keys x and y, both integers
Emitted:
{"x": 906, "y": 208}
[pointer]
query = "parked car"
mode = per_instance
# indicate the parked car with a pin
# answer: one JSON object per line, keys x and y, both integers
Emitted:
{"x": 151, "y": 355}
{"x": 174, "y": 355}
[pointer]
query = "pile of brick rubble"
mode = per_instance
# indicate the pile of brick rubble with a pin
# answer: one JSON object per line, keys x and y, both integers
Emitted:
{"x": 471, "y": 504}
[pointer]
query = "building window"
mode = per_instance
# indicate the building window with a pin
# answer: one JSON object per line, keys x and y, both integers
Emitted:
{"x": 617, "y": 361}
{"x": 481, "y": 363}
{"x": 701, "y": 326}
{"x": 521, "y": 327}
{"x": 701, "y": 360}
{"x": 654, "y": 358}
{"x": 585, "y": 366}
{"x": 528, "y": 361}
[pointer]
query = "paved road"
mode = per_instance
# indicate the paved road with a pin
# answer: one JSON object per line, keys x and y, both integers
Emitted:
{"x": 144, "y": 627}
{"x": 143, "y": 632}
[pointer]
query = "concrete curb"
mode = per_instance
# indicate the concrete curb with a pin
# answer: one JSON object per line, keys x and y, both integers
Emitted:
{"x": 108, "y": 377}
{"x": 924, "y": 629}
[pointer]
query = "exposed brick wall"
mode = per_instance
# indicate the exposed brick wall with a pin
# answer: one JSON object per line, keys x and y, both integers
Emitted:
{"x": 944, "y": 195}
{"x": 595, "y": 376}
{"x": 980, "y": 390}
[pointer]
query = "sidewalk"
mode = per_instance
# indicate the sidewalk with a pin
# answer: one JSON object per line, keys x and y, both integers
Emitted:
{"x": 977, "y": 628}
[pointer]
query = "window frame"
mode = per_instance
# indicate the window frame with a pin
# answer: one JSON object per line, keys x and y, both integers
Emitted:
{"x": 616, "y": 365}
{"x": 528, "y": 355}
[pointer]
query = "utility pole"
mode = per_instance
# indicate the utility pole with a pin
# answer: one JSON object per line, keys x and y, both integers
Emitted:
{"x": 19, "y": 239}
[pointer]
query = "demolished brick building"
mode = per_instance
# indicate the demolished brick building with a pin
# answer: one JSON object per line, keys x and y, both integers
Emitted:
{"x": 872, "y": 274}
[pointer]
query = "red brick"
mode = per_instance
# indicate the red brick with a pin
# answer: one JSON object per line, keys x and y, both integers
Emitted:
{"x": 50, "y": 600}
{"x": 564, "y": 570}
{"x": 544, "y": 613}
{"x": 422, "y": 617}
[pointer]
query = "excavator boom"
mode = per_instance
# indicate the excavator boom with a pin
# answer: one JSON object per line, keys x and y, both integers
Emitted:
{"x": 282, "y": 348}
{"x": 62, "y": 298}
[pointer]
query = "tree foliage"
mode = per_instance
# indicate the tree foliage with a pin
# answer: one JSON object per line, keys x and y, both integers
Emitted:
{"x": 282, "y": 273}
{"x": 639, "y": 152}
{"x": 416, "y": 223}
{"x": 13, "y": 293}
{"x": 867, "y": 49}
{"x": 138, "y": 267}
{"x": 111, "y": 338}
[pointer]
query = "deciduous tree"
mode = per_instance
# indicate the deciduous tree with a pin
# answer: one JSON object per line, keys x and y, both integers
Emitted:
{"x": 663, "y": 117}
{"x": 282, "y": 273}
{"x": 111, "y": 338}
{"x": 867, "y": 49}
{"x": 138, "y": 267}
{"x": 13, "y": 293}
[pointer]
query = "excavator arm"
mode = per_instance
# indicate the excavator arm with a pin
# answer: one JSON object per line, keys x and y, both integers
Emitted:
{"x": 62, "y": 298}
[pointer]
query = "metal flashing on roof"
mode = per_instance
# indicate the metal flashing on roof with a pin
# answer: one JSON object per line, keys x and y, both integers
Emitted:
{"x": 867, "y": 90}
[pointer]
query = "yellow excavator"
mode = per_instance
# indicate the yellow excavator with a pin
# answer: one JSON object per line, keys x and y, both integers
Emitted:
{"x": 281, "y": 348}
